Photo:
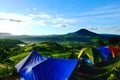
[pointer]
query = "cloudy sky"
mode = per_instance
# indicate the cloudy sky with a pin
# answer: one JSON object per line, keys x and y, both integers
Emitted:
{"x": 46, "y": 17}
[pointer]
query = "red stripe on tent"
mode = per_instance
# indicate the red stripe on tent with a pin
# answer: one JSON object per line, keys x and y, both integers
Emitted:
{"x": 114, "y": 50}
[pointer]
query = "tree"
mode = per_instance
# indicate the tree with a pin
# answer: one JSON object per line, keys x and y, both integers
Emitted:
{"x": 114, "y": 41}
{"x": 100, "y": 43}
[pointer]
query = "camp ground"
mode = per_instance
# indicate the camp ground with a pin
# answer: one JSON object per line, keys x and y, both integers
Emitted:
{"x": 97, "y": 61}
{"x": 90, "y": 62}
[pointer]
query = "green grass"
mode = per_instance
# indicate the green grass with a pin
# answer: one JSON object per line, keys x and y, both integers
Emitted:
{"x": 19, "y": 57}
{"x": 61, "y": 55}
{"x": 28, "y": 48}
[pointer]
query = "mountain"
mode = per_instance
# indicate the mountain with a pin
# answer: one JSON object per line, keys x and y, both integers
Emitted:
{"x": 83, "y": 32}
{"x": 5, "y": 35}
{"x": 81, "y": 35}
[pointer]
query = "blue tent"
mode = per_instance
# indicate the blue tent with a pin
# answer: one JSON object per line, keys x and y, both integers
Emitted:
{"x": 47, "y": 68}
{"x": 30, "y": 61}
{"x": 105, "y": 52}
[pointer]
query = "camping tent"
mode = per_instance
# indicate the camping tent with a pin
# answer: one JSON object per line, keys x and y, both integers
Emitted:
{"x": 45, "y": 68}
{"x": 30, "y": 61}
{"x": 106, "y": 52}
{"x": 95, "y": 55}
{"x": 115, "y": 51}
{"x": 92, "y": 54}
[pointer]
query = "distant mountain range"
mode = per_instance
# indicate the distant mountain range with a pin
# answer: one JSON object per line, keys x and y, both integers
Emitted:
{"x": 4, "y": 35}
{"x": 82, "y": 35}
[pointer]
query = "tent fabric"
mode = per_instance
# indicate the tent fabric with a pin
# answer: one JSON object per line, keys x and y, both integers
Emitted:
{"x": 51, "y": 69}
{"x": 114, "y": 51}
{"x": 106, "y": 53}
{"x": 93, "y": 54}
{"x": 82, "y": 50}
{"x": 88, "y": 52}
{"x": 97, "y": 55}
{"x": 36, "y": 67}
{"x": 30, "y": 61}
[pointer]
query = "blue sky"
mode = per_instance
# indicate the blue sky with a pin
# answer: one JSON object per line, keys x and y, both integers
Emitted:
{"x": 46, "y": 17}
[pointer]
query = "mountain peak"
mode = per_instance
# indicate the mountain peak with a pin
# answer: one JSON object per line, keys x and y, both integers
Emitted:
{"x": 85, "y": 32}
{"x": 82, "y": 31}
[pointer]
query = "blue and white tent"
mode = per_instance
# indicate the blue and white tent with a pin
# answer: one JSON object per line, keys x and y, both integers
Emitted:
{"x": 30, "y": 61}
{"x": 36, "y": 67}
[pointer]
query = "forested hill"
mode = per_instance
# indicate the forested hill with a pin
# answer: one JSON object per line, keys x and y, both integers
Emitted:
{"x": 9, "y": 42}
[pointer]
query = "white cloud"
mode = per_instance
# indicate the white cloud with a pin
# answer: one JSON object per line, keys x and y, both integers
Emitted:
{"x": 40, "y": 22}
{"x": 11, "y": 27}
{"x": 40, "y": 16}
{"x": 104, "y": 29}
{"x": 64, "y": 20}
{"x": 20, "y": 19}
{"x": 45, "y": 16}
{"x": 114, "y": 28}
{"x": 93, "y": 28}
{"x": 33, "y": 15}
{"x": 47, "y": 19}
{"x": 62, "y": 25}
{"x": 59, "y": 15}
{"x": 14, "y": 23}
{"x": 20, "y": 23}
{"x": 14, "y": 17}
{"x": 34, "y": 9}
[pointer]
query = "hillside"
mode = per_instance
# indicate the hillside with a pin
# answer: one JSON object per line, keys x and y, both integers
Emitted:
{"x": 9, "y": 43}
{"x": 5, "y": 35}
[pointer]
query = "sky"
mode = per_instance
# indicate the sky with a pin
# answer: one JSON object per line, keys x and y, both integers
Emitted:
{"x": 48, "y": 17}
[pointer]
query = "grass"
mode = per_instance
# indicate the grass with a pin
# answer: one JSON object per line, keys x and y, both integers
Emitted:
{"x": 19, "y": 57}
{"x": 61, "y": 55}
